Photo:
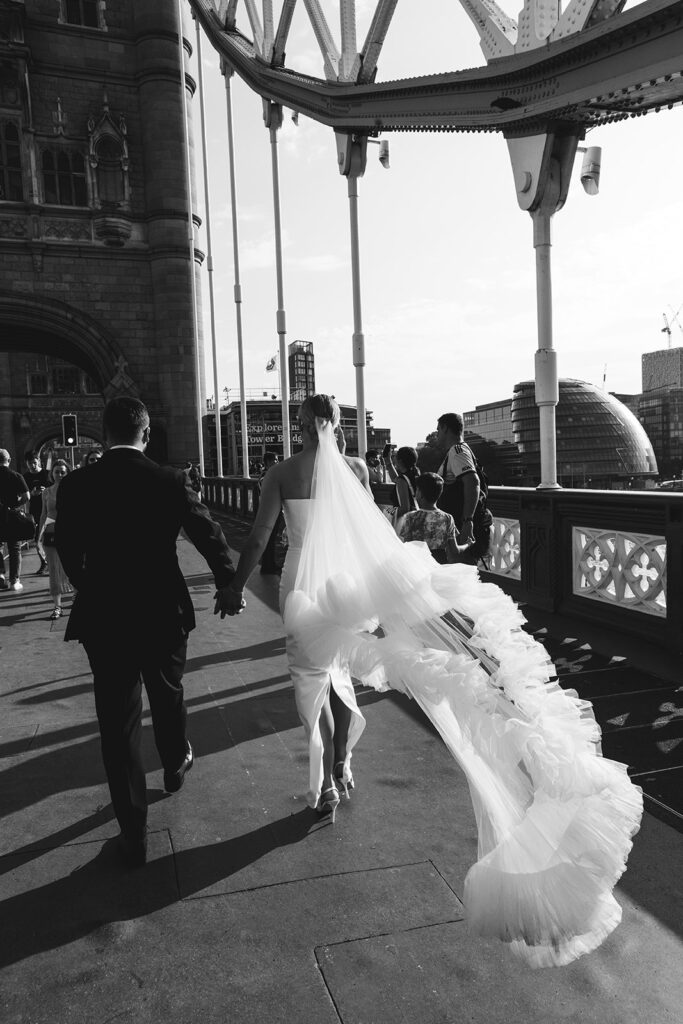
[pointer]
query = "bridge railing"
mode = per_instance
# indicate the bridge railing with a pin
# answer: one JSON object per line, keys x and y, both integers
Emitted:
{"x": 234, "y": 495}
{"x": 614, "y": 557}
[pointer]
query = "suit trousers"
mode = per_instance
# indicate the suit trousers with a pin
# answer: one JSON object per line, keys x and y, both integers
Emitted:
{"x": 118, "y": 675}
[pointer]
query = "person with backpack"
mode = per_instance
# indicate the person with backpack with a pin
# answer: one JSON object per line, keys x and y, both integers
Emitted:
{"x": 465, "y": 489}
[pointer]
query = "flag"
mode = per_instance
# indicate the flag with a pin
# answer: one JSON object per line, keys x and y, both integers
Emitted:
{"x": 271, "y": 364}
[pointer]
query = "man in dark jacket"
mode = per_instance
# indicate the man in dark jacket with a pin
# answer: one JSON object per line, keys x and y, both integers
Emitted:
{"x": 116, "y": 530}
{"x": 13, "y": 494}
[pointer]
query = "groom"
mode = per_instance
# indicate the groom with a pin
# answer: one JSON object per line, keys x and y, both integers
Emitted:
{"x": 116, "y": 530}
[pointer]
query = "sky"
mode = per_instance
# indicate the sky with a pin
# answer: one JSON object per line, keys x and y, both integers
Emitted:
{"x": 447, "y": 263}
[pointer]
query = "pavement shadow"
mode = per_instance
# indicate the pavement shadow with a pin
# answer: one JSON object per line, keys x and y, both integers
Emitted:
{"x": 98, "y": 897}
{"x": 46, "y": 682}
{"x": 76, "y": 765}
{"x": 64, "y": 693}
{"x": 254, "y": 652}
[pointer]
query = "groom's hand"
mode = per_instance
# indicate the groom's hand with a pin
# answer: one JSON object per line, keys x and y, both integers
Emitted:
{"x": 229, "y": 601}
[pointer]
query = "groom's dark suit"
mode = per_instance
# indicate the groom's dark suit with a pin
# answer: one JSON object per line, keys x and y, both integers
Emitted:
{"x": 116, "y": 530}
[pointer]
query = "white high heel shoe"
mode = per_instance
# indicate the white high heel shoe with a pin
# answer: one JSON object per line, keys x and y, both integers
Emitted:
{"x": 343, "y": 778}
{"x": 329, "y": 802}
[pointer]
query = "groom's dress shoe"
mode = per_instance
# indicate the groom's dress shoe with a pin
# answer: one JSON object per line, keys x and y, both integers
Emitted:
{"x": 133, "y": 852}
{"x": 174, "y": 780}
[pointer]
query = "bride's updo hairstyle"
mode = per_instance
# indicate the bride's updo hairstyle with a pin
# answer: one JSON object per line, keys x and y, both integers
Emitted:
{"x": 322, "y": 407}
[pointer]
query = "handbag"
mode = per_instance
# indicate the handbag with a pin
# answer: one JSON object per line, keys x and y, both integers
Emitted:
{"x": 18, "y": 525}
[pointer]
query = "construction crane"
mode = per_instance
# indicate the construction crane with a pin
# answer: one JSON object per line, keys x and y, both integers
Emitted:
{"x": 668, "y": 324}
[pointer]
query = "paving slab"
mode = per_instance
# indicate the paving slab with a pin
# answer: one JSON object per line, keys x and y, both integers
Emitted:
{"x": 96, "y": 939}
{"x": 437, "y": 975}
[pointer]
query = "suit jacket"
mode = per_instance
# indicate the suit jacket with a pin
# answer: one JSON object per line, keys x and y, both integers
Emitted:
{"x": 116, "y": 530}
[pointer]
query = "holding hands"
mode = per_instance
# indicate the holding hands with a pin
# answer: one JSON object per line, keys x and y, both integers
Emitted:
{"x": 229, "y": 601}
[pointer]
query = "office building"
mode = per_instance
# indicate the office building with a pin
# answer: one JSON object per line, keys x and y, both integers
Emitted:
{"x": 660, "y": 408}
{"x": 600, "y": 443}
{"x": 301, "y": 362}
{"x": 662, "y": 369}
{"x": 488, "y": 431}
{"x": 264, "y": 427}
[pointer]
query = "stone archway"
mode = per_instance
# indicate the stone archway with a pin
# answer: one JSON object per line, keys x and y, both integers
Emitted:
{"x": 63, "y": 340}
{"x": 32, "y": 324}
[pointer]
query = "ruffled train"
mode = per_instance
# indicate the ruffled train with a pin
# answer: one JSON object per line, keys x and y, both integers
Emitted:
{"x": 555, "y": 818}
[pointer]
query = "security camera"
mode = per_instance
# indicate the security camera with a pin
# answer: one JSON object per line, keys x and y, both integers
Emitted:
{"x": 590, "y": 169}
{"x": 384, "y": 153}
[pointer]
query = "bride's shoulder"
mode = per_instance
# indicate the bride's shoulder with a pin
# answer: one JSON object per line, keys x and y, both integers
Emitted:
{"x": 358, "y": 466}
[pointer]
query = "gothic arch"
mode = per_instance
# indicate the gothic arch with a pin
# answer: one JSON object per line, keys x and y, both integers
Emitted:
{"x": 32, "y": 324}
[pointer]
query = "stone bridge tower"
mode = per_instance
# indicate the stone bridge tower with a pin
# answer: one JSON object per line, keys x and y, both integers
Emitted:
{"x": 95, "y": 262}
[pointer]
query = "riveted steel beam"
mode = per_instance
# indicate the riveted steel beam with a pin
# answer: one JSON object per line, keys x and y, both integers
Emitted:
{"x": 624, "y": 66}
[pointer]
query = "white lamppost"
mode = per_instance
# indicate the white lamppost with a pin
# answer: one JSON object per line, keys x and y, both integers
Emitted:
{"x": 351, "y": 159}
{"x": 542, "y": 166}
{"x": 209, "y": 256}
{"x": 272, "y": 116}
{"x": 237, "y": 291}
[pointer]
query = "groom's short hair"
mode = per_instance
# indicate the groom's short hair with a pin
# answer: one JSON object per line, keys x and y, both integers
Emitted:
{"x": 125, "y": 419}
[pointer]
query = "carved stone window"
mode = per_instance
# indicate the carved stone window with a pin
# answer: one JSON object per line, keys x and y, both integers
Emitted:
{"x": 108, "y": 158}
{"x": 11, "y": 180}
{"x": 64, "y": 182}
{"x": 82, "y": 12}
{"x": 109, "y": 173}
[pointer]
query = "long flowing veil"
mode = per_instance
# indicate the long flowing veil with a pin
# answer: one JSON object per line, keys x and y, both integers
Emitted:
{"x": 555, "y": 818}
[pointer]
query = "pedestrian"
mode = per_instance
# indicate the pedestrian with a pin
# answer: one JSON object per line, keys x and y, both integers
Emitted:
{"x": 430, "y": 524}
{"x": 59, "y": 583}
{"x": 37, "y": 479}
{"x": 94, "y": 455}
{"x": 403, "y": 471}
{"x": 462, "y": 491}
{"x": 13, "y": 494}
{"x": 117, "y": 525}
{"x": 375, "y": 466}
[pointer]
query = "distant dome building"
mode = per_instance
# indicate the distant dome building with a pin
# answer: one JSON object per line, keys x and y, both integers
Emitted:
{"x": 600, "y": 443}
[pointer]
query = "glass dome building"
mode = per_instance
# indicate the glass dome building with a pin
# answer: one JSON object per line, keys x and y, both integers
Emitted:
{"x": 600, "y": 443}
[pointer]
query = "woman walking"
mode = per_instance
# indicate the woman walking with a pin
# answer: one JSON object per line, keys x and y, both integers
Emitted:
{"x": 59, "y": 584}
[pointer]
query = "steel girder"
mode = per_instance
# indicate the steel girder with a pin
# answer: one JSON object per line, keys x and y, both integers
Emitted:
{"x": 624, "y": 66}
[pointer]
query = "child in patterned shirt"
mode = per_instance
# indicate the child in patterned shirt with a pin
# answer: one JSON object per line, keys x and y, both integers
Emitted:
{"x": 430, "y": 524}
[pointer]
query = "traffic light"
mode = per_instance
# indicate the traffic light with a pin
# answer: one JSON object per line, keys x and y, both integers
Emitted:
{"x": 69, "y": 430}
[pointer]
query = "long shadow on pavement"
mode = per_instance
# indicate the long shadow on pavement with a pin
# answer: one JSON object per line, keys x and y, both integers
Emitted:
{"x": 100, "y": 893}
{"x": 221, "y": 726}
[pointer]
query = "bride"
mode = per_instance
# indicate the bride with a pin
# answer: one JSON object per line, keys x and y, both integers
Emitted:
{"x": 555, "y": 818}
{"x": 324, "y": 693}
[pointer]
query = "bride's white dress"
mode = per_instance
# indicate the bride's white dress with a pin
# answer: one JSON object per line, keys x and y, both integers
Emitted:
{"x": 555, "y": 818}
{"x": 312, "y": 681}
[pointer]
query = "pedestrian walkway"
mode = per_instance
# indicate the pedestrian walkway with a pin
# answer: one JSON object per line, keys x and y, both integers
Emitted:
{"x": 250, "y": 911}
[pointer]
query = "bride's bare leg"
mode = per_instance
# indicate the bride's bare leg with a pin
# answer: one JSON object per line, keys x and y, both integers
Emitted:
{"x": 341, "y": 715}
{"x": 327, "y": 733}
